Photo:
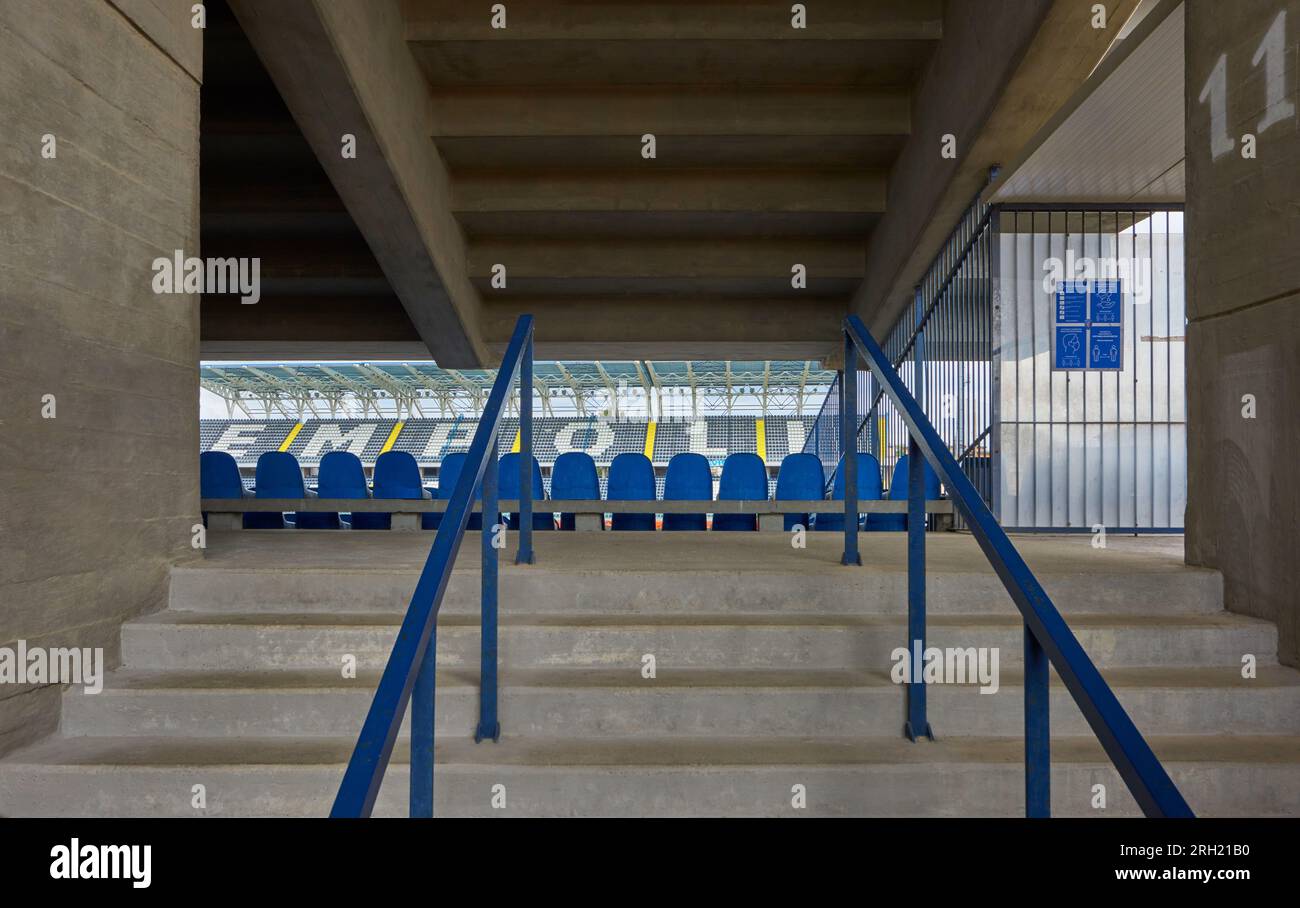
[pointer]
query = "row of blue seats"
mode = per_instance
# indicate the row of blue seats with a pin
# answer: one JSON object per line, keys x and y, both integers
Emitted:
{"x": 573, "y": 478}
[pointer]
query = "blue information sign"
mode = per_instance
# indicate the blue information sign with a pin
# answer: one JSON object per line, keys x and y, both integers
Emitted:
{"x": 1069, "y": 346}
{"x": 1089, "y": 325}
{"x": 1072, "y": 302}
{"x": 1106, "y": 303}
{"x": 1104, "y": 346}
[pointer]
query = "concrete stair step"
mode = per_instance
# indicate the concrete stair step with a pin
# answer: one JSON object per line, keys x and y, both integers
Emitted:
{"x": 604, "y": 703}
{"x": 815, "y": 589}
{"x": 1219, "y": 775}
{"x": 253, "y": 640}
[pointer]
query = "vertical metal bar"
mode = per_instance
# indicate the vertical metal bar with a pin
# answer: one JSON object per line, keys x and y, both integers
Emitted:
{"x": 1038, "y": 760}
{"x": 525, "y": 553}
{"x": 1151, "y": 368}
{"x": 994, "y": 379}
{"x": 918, "y": 358}
{"x": 422, "y": 700}
{"x": 1169, "y": 380}
{"x": 488, "y": 726}
{"x": 849, "y": 447}
{"x": 917, "y": 723}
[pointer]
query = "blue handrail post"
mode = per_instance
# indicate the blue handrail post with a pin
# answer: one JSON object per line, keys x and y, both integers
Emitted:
{"x": 408, "y": 676}
{"x": 917, "y": 723}
{"x": 525, "y": 553}
{"x": 422, "y": 714}
{"x": 1136, "y": 763}
{"x": 488, "y": 726}
{"x": 849, "y": 449}
{"x": 1038, "y": 760}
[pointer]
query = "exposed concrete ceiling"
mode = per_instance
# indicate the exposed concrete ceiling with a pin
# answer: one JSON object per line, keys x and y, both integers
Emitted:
{"x": 522, "y": 147}
{"x": 1121, "y": 138}
{"x": 772, "y": 146}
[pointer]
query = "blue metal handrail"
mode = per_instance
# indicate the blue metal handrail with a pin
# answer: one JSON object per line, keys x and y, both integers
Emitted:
{"x": 1047, "y": 636}
{"x": 409, "y": 675}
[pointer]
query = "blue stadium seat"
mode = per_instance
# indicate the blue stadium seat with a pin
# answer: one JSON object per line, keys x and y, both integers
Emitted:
{"x": 688, "y": 479}
{"x": 801, "y": 478}
{"x": 448, "y": 473}
{"x": 341, "y": 476}
{"x": 632, "y": 478}
{"x": 868, "y": 490}
{"x": 219, "y": 478}
{"x": 573, "y": 478}
{"x": 508, "y": 487}
{"x": 898, "y": 492}
{"x": 278, "y": 476}
{"x": 397, "y": 475}
{"x": 744, "y": 478}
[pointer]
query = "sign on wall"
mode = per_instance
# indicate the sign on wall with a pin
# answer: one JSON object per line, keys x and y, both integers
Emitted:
{"x": 1088, "y": 326}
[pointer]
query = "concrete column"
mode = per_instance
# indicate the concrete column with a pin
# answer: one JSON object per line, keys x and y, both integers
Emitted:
{"x": 99, "y": 438}
{"x": 1243, "y": 298}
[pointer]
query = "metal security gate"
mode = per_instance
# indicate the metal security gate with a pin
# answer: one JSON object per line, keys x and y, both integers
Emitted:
{"x": 1062, "y": 421}
{"x": 1105, "y": 444}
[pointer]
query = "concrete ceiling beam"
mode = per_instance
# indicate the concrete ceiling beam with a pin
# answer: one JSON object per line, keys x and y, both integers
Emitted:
{"x": 657, "y": 190}
{"x": 524, "y": 258}
{"x": 533, "y": 20}
{"x": 343, "y": 68}
{"x": 670, "y": 328}
{"x": 666, "y": 111}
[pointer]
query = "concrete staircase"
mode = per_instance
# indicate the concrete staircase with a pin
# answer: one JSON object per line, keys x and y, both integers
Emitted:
{"x": 772, "y": 672}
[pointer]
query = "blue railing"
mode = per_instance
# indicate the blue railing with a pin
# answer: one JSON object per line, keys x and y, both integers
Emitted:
{"x": 409, "y": 676}
{"x": 1047, "y": 638}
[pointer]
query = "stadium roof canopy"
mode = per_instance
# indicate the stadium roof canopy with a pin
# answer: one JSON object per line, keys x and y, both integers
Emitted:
{"x": 414, "y": 389}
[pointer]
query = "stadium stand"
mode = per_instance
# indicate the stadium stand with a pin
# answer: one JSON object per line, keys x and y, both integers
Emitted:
{"x": 431, "y": 441}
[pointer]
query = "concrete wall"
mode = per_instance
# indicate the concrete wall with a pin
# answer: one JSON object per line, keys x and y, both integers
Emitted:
{"x": 1243, "y": 336}
{"x": 96, "y": 503}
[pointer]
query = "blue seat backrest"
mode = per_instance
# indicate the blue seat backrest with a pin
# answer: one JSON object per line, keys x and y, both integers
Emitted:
{"x": 219, "y": 478}
{"x": 688, "y": 479}
{"x": 573, "y": 478}
{"x": 898, "y": 492}
{"x": 744, "y": 478}
{"x": 632, "y": 478}
{"x": 448, "y": 474}
{"x": 869, "y": 489}
{"x": 341, "y": 476}
{"x": 278, "y": 476}
{"x": 801, "y": 478}
{"x": 508, "y": 487}
{"x": 397, "y": 475}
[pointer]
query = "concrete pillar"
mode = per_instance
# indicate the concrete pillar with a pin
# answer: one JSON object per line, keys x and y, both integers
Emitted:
{"x": 99, "y": 438}
{"x": 1243, "y": 298}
